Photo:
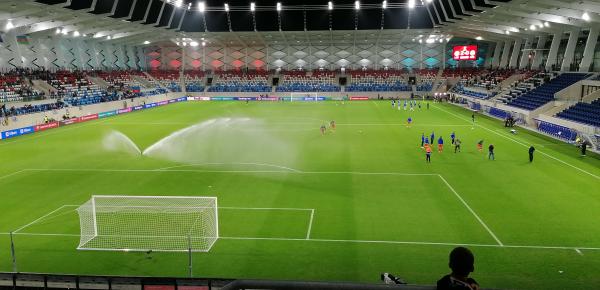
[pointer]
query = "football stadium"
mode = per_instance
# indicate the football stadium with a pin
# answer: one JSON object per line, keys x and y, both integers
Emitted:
{"x": 411, "y": 144}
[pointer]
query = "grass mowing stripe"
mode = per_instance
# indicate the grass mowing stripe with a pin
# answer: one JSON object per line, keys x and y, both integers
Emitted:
{"x": 471, "y": 210}
{"x": 517, "y": 141}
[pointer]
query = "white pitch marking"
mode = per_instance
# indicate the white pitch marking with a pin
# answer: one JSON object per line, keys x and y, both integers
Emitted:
{"x": 312, "y": 215}
{"x": 232, "y": 163}
{"x": 14, "y": 173}
{"x": 230, "y": 171}
{"x": 365, "y": 241}
{"x": 472, "y": 211}
{"x": 578, "y": 252}
{"x": 522, "y": 144}
{"x": 266, "y": 208}
{"x": 38, "y": 219}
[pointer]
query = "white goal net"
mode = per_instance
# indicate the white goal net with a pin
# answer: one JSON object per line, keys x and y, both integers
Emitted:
{"x": 143, "y": 223}
{"x": 294, "y": 97}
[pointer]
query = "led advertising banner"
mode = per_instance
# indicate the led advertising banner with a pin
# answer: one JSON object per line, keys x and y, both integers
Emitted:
{"x": 464, "y": 52}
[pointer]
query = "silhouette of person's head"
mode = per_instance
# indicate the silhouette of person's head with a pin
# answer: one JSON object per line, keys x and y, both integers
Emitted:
{"x": 461, "y": 261}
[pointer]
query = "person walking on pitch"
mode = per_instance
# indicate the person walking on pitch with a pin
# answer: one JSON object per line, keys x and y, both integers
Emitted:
{"x": 440, "y": 144}
{"x": 531, "y": 150}
{"x": 480, "y": 145}
{"x": 457, "y": 145}
{"x": 491, "y": 152}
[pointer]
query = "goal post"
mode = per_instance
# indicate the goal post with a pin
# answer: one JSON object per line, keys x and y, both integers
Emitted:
{"x": 295, "y": 96}
{"x": 144, "y": 223}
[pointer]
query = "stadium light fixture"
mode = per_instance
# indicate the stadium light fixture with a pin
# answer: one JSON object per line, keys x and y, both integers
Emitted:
{"x": 108, "y": 37}
{"x": 194, "y": 43}
{"x": 532, "y": 27}
{"x": 190, "y": 6}
{"x": 411, "y": 3}
{"x": 507, "y": 32}
{"x": 585, "y": 16}
{"x": 58, "y": 31}
{"x": 384, "y": 4}
{"x": 546, "y": 24}
{"x": 330, "y": 5}
{"x": 428, "y": 1}
{"x": 178, "y": 3}
{"x": 9, "y": 25}
{"x": 203, "y": 43}
{"x": 64, "y": 31}
{"x": 479, "y": 38}
{"x": 201, "y": 6}
{"x": 76, "y": 33}
{"x": 278, "y": 6}
{"x": 252, "y": 6}
{"x": 226, "y": 7}
{"x": 146, "y": 42}
{"x": 357, "y": 5}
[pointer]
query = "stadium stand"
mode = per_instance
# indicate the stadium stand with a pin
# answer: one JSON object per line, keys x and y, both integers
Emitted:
{"x": 557, "y": 131}
{"x": 14, "y": 88}
{"x": 318, "y": 81}
{"x": 543, "y": 94}
{"x": 583, "y": 113}
{"x": 194, "y": 81}
{"x": 238, "y": 81}
{"x": 378, "y": 81}
{"x": 166, "y": 79}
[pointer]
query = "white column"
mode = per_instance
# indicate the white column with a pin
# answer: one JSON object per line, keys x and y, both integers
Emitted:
{"x": 570, "y": 51}
{"x": 496, "y": 57}
{"x": 526, "y": 52}
{"x": 515, "y": 53}
{"x": 505, "y": 53}
{"x": 588, "y": 53}
{"x": 537, "y": 59}
{"x": 553, "y": 50}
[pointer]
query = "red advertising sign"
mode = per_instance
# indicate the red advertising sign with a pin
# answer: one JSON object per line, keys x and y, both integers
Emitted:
{"x": 69, "y": 121}
{"x": 464, "y": 52}
{"x": 88, "y": 117}
{"x": 46, "y": 126}
{"x": 359, "y": 98}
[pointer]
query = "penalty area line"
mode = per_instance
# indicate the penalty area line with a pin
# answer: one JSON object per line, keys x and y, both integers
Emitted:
{"x": 310, "y": 223}
{"x": 471, "y": 210}
{"x": 39, "y": 219}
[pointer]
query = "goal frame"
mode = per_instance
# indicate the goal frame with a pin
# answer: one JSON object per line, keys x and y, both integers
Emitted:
{"x": 92, "y": 200}
{"x": 301, "y": 95}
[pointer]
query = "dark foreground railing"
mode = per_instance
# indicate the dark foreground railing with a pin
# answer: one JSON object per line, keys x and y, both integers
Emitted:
{"x": 47, "y": 281}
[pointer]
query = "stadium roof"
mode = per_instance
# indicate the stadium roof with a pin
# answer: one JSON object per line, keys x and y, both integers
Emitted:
{"x": 135, "y": 21}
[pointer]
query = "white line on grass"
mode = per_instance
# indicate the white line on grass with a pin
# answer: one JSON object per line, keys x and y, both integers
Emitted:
{"x": 312, "y": 215}
{"x": 38, "y": 219}
{"x": 472, "y": 211}
{"x": 522, "y": 144}
{"x": 11, "y": 174}
{"x": 578, "y": 252}
{"x": 231, "y": 163}
{"x": 265, "y": 208}
{"x": 364, "y": 241}
{"x": 228, "y": 171}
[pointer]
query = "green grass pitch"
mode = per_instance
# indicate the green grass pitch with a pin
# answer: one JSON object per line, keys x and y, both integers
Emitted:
{"x": 345, "y": 206}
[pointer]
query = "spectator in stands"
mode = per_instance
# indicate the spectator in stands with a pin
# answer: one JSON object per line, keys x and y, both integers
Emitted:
{"x": 531, "y": 150}
{"x": 462, "y": 263}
